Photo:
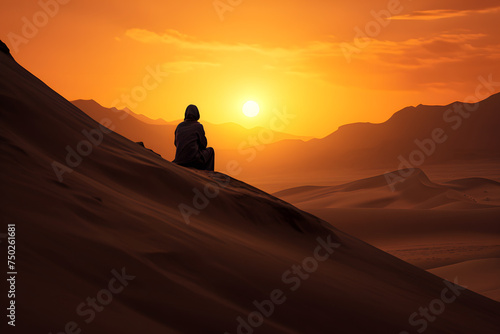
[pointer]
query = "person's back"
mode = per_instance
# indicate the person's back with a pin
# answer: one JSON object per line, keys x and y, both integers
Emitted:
{"x": 191, "y": 143}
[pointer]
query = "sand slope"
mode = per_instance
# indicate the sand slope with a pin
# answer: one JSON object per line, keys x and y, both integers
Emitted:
{"x": 119, "y": 208}
{"x": 431, "y": 225}
{"x": 481, "y": 275}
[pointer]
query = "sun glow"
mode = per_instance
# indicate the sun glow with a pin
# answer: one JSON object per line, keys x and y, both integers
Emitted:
{"x": 251, "y": 109}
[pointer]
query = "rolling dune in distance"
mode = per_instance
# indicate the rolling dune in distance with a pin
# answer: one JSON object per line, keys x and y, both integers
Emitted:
{"x": 450, "y": 229}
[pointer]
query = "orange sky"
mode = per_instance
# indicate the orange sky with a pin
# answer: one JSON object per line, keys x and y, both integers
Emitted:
{"x": 284, "y": 54}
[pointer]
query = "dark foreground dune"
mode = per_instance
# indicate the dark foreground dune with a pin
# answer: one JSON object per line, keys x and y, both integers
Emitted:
{"x": 104, "y": 247}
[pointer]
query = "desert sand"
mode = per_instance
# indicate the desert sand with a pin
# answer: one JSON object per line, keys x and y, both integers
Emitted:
{"x": 449, "y": 228}
{"x": 103, "y": 225}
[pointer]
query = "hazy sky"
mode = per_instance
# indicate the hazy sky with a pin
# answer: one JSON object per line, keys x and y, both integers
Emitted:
{"x": 326, "y": 62}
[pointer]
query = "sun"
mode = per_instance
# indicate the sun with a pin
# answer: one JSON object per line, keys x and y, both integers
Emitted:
{"x": 251, "y": 109}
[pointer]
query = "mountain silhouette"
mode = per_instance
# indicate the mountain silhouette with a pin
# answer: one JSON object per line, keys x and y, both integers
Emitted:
{"x": 406, "y": 136}
{"x": 159, "y": 134}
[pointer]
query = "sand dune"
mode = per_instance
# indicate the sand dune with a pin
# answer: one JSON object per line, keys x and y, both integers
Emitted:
{"x": 394, "y": 191}
{"x": 481, "y": 275}
{"x": 116, "y": 214}
{"x": 428, "y": 224}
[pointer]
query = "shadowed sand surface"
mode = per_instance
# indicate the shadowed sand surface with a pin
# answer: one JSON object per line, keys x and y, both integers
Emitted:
{"x": 119, "y": 208}
{"x": 450, "y": 228}
{"x": 485, "y": 283}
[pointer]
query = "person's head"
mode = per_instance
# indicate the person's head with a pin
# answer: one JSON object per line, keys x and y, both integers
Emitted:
{"x": 192, "y": 113}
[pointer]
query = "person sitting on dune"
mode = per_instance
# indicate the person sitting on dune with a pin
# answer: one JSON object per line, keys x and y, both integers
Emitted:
{"x": 191, "y": 143}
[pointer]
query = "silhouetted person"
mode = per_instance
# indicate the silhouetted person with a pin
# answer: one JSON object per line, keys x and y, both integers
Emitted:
{"x": 191, "y": 143}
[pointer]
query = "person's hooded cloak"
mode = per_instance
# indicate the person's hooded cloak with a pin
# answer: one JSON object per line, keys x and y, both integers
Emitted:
{"x": 189, "y": 138}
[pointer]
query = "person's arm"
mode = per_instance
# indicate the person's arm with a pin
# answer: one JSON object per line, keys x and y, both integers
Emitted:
{"x": 175, "y": 137}
{"x": 203, "y": 138}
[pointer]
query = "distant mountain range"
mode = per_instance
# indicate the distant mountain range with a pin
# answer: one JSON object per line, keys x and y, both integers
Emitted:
{"x": 413, "y": 137}
{"x": 159, "y": 134}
